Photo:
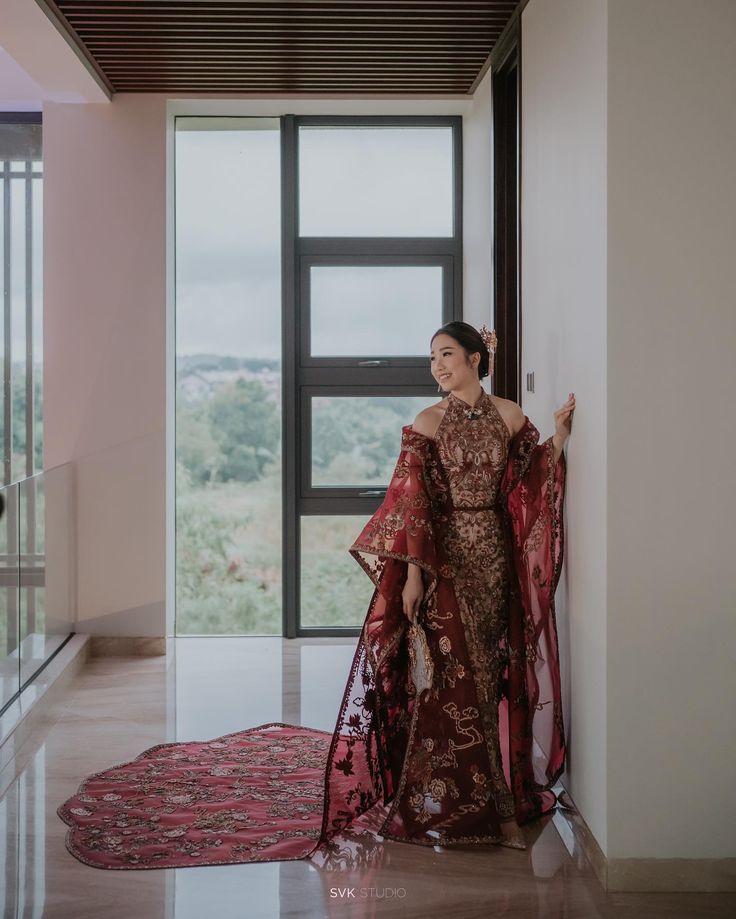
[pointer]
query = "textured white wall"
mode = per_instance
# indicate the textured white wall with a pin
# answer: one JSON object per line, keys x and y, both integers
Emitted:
{"x": 671, "y": 432}
{"x": 563, "y": 259}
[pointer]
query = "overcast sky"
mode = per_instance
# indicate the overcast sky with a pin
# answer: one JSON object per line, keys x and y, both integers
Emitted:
{"x": 353, "y": 182}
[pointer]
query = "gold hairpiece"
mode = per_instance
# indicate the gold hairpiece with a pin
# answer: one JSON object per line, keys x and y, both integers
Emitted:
{"x": 489, "y": 337}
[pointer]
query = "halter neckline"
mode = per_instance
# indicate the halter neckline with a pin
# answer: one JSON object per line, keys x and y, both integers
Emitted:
{"x": 466, "y": 405}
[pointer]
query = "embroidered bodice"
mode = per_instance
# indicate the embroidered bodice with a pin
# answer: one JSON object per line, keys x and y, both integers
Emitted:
{"x": 472, "y": 445}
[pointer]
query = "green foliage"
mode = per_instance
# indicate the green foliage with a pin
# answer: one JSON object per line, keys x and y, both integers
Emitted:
{"x": 196, "y": 449}
{"x": 227, "y": 578}
{"x": 202, "y": 547}
{"x": 356, "y": 428}
{"x": 230, "y": 436}
{"x": 356, "y": 440}
{"x": 229, "y": 549}
{"x": 245, "y": 425}
{"x": 335, "y": 591}
{"x": 19, "y": 413}
{"x": 229, "y": 562}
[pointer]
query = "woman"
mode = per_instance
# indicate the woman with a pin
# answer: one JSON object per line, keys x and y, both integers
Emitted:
{"x": 450, "y": 728}
{"x": 469, "y": 540}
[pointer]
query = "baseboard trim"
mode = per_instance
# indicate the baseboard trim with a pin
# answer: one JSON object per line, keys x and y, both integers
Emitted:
{"x": 582, "y": 837}
{"x": 646, "y": 875}
{"x": 659, "y": 875}
{"x": 127, "y": 646}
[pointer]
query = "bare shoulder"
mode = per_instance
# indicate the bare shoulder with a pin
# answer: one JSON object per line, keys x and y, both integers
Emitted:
{"x": 511, "y": 413}
{"x": 428, "y": 420}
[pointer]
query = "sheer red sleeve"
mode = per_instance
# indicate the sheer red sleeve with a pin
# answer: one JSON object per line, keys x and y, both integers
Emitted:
{"x": 533, "y": 487}
{"x": 370, "y": 738}
{"x": 402, "y": 529}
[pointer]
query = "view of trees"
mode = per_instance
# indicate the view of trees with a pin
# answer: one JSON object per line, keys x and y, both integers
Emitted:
{"x": 19, "y": 410}
{"x": 355, "y": 440}
{"x": 231, "y": 436}
{"x": 31, "y": 620}
{"x": 228, "y": 508}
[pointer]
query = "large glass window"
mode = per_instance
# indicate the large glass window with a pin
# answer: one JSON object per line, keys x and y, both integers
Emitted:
{"x": 25, "y": 631}
{"x": 315, "y": 257}
{"x": 21, "y": 267}
{"x": 375, "y": 180}
{"x": 228, "y": 384}
{"x": 377, "y": 256}
{"x": 362, "y": 310}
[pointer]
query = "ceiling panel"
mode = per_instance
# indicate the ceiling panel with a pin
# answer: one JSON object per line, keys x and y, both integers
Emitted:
{"x": 286, "y": 46}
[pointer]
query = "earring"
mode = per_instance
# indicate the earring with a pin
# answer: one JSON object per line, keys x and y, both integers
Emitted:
{"x": 439, "y": 388}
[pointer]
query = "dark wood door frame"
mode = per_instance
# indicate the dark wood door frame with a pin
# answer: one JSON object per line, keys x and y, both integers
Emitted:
{"x": 506, "y": 91}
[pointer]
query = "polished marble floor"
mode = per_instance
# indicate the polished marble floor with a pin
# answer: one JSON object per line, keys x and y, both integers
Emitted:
{"x": 117, "y": 707}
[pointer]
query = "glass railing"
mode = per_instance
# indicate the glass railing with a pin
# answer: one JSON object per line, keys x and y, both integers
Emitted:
{"x": 37, "y": 539}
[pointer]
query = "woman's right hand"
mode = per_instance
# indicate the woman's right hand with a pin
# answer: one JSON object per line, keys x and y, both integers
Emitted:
{"x": 413, "y": 592}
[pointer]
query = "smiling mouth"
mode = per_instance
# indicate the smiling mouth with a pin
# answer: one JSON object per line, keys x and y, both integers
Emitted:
{"x": 444, "y": 376}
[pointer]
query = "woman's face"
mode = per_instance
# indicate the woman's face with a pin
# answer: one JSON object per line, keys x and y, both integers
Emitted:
{"x": 449, "y": 364}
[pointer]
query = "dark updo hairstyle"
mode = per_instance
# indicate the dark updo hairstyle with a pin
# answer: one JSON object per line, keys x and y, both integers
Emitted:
{"x": 468, "y": 337}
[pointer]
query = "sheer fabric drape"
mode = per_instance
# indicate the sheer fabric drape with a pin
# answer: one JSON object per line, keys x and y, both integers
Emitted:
{"x": 382, "y": 749}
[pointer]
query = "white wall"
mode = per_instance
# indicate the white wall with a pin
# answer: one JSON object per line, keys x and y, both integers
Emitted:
{"x": 104, "y": 350}
{"x": 671, "y": 432}
{"x": 563, "y": 292}
{"x": 628, "y": 241}
{"x": 40, "y": 61}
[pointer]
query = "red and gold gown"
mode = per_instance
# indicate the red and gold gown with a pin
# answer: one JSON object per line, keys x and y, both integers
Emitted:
{"x": 480, "y": 512}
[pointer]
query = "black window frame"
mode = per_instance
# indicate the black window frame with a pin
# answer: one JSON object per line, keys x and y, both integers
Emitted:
{"x": 304, "y": 375}
{"x": 505, "y": 66}
{"x": 20, "y": 485}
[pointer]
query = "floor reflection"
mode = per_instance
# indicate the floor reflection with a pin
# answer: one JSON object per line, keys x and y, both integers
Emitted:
{"x": 210, "y": 686}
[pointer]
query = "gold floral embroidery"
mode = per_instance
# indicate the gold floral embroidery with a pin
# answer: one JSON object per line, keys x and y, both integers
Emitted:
{"x": 446, "y": 511}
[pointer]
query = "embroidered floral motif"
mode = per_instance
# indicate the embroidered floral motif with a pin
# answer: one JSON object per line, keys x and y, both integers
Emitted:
{"x": 231, "y": 813}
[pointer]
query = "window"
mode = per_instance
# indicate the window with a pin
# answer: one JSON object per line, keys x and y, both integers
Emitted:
{"x": 228, "y": 377}
{"x": 27, "y": 636}
{"x": 373, "y": 226}
{"x": 21, "y": 268}
{"x": 315, "y": 257}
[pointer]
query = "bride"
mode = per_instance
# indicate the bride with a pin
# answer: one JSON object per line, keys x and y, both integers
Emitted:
{"x": 467, "y": 545}
{"x": 450, "y": 728}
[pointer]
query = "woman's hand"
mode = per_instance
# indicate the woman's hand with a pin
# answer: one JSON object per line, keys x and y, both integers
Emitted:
{"x": 563, "y": 424}
{"x": 413, "y": 592}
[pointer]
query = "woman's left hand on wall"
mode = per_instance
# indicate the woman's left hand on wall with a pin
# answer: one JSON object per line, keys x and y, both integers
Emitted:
{"x": 563, "y": 423}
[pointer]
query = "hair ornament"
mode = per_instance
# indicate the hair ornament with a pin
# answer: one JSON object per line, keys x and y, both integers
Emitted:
{"x": 489, "y": 337}
{"x": 490, "y": 340}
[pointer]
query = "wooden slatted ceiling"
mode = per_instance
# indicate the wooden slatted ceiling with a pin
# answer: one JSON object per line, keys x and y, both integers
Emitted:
{"x": 287, "y": 46}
